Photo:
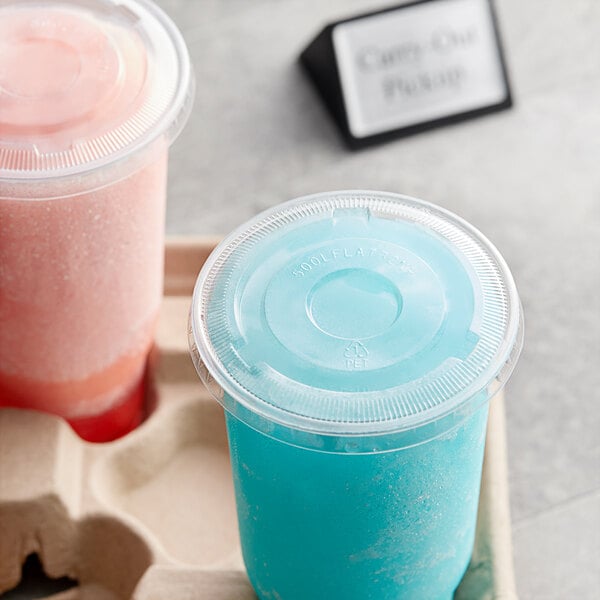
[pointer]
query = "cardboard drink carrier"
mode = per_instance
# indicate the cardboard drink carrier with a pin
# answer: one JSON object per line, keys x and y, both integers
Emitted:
{"x": 152, "y": 516}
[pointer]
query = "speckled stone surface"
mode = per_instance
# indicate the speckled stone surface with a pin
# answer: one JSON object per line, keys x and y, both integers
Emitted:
{"x": 529, "y": 178}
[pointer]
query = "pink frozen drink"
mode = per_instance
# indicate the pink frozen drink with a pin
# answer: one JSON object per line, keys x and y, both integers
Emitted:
{"x": 91, "y": 95}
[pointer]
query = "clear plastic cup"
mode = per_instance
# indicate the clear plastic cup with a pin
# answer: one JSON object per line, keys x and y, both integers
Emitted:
{"x": 92, "y": 93}
{"x": 354, "y": 339}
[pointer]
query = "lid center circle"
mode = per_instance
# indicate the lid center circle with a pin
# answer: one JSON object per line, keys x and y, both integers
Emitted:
{"x": 40, "y": 68}
{"x": 354, "y": 304}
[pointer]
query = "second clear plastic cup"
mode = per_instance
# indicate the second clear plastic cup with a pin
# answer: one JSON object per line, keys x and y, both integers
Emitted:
{"x": 354, "y": 339}
{"x": 92, "y": 93}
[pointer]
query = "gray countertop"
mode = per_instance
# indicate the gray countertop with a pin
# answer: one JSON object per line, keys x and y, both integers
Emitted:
{"x": 529, "y": 178}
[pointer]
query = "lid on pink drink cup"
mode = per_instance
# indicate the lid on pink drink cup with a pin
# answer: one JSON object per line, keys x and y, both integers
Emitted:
{"x": 86, "y": 83}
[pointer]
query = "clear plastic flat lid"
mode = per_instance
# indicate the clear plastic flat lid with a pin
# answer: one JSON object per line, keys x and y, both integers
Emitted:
{"x": 354, "y": 313}
{"x": 86, "y": 82}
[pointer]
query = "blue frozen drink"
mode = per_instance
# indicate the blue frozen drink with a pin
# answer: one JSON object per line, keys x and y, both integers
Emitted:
{"x": 355, "y": 339}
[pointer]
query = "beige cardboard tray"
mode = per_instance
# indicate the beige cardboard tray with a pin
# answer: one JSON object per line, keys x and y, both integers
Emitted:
{"x": 152, "y": 516}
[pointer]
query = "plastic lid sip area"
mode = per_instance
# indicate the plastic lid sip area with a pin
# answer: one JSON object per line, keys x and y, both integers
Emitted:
{"x": 86, "y": 83}
{"x": 355, "y": 322}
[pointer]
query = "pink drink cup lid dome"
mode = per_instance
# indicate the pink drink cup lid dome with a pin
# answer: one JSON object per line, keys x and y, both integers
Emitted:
{"x": 85, "y": 83}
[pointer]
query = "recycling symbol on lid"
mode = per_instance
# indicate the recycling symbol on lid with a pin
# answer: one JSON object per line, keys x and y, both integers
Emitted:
{"x": 356, "y": 350}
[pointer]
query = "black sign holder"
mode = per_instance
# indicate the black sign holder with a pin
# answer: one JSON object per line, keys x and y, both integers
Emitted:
{"x": 320, "y": 62}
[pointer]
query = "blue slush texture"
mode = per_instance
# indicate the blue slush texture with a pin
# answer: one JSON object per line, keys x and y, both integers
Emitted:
{"x": 353, "y": 341}
{"x": 384, "y": 526}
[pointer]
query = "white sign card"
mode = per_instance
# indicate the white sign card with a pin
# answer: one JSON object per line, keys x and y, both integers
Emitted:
{"x": 413, "y": 67}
